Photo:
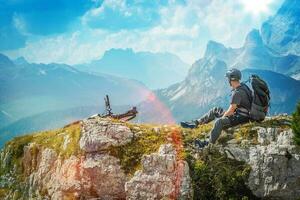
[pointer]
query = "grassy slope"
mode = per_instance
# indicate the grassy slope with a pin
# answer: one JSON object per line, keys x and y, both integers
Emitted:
{"x": 49, "y": 139}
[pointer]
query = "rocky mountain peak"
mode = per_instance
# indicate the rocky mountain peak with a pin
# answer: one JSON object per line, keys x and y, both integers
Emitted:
{"x": 253, "y": 39}
{"x": 281, "y": 33}
{"x": 118, "y": 53}
{"x": 207, "y": 70}
{"x": 290, "y": 8}
{"x": 214, "y": 49}
{"x": 206, "y": 65}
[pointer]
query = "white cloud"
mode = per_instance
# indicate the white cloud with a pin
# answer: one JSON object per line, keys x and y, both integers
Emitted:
{"x": 20, "y": 24}
{"x": 100, "y": 8}
{"x": 184, "y": 29}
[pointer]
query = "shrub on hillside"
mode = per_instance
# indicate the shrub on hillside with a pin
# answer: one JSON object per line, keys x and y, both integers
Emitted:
{"x": 214, "y": 176}
{"x": 296, "y": 124}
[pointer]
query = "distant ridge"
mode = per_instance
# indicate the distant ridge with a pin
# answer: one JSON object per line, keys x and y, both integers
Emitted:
{"x": 155, "y": 70}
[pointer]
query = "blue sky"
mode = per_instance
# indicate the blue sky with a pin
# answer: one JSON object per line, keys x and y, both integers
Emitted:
{"x": 77, "y": 31}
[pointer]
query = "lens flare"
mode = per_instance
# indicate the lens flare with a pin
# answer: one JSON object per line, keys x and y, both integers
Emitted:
{"x": 153, "y": 110}
{"x": 159, "y": 112}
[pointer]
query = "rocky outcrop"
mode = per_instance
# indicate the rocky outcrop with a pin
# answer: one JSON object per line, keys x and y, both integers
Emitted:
{"x": 275, "y": 167}
{"x": 162, "y": 177}
{"x": 107, "y": 163}
{"x": 100, "y": 134}
{"x": 89, "y": 176}
{"x": 274, "y": 161}
{"x": 94, "y": 172}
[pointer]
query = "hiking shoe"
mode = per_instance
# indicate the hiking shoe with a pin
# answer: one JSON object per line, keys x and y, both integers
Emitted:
{"x": 201, "y": 143}
{"x": 191, "y": 125}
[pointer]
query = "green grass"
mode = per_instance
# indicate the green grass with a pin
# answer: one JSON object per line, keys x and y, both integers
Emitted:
{"x": 201, "y": 132}
{"x": 146, "y": 141}
{"x": 53, "y": 139}
{"x": 247, "y": 131}
{"x": 3, "y": 192}
{"x": 214, "y": 176}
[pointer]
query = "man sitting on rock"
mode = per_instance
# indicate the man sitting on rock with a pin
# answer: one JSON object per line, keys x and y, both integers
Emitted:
{"x": 237, "y": 113}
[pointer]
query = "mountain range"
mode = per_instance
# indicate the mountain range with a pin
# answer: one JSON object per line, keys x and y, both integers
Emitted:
{"x": 54, "y": 90}
{"x": 40, "y": 96}
{"x": 281, "y": 33}
{"x": 37, "y": 96}
{"x": 205, "y": 85}
{"x": 254, "y": 54}
{"x": 155, "y": 70}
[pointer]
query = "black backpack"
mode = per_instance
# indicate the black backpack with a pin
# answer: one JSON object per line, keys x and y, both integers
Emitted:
{"x": 260, "y": 100}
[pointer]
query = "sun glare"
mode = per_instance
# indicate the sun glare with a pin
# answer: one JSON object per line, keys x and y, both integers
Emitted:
{"x": 256, "y": 7}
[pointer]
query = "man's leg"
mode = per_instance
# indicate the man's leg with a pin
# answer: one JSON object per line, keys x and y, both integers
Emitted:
{"x": 219, "y": 125}
{"x": 211, "y": 115}
{"x": 208, "y": 117}
{"x": 224, "y": 123}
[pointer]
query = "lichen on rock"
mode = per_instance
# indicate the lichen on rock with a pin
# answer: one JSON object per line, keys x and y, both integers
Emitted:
{"x": 161, "y": 177}
{"x": 99, "y": 134}
{"x": 275, "y": 166}
{"x": 274, "y": 160}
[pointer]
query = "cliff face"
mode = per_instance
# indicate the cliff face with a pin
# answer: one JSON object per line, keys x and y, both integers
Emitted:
{"x": 274, "y": 163}
{"x": 96, "y": 158}
{"x": 100, "y": 158}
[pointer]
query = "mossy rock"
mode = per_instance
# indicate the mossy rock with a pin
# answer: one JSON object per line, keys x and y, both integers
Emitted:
{"x": 53, "y": 139}
{"x": 147, "y": 139}
{"x": 214, "y": 176}
{"x": 248, "y": 131}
